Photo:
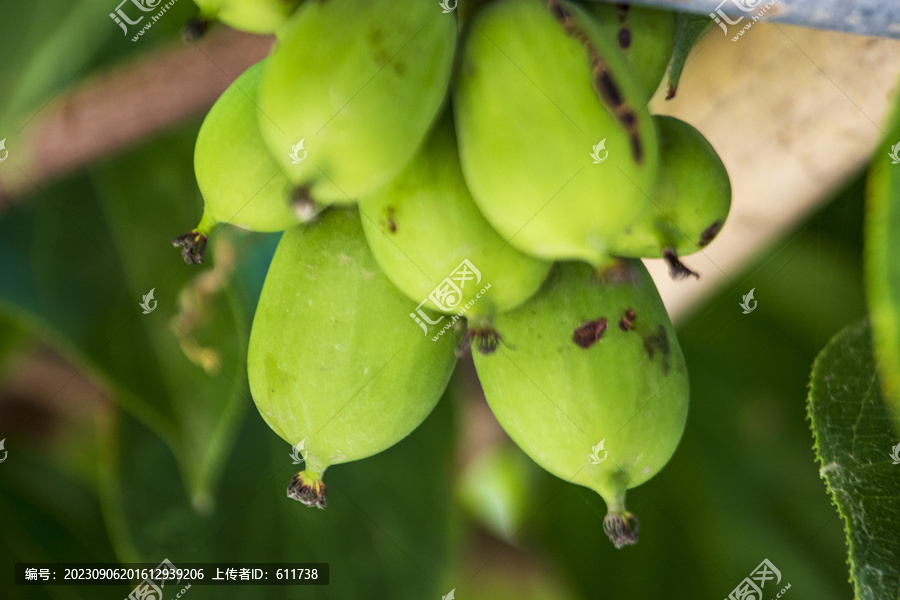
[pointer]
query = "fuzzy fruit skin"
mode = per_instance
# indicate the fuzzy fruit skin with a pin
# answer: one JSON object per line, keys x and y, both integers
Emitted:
{"x": 360, "y": 82}
{"x": 253, "y": 16}
{"x": 334, "y": 358}
{"x": 241, "y": 183}
{"x": 527, "y": 126}
{"x": 557, "y": 399}
{"x": 645, "y": 37}
{"x": 425, "y": 223}
{"x": 691, "y": 199}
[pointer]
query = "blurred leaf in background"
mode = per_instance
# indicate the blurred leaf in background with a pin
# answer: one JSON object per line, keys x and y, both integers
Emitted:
{"x": 53, "y": 44}
{"x": 80, "y": 257}
{"x": 386, "y": 532}
{"x": 882, "y": 264}
{"x": 855, "y": 445}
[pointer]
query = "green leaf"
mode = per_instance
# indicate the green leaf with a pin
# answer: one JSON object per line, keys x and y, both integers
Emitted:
{"x": 689, "y": 29}
{"x": 52, "y": 41}
{"x": 853, "y": 442}
{"x": 77, "y": 260}
{"x": 12, "y": 337}
{"x": 49, "y": 515}
{"x": 882, "y": 265}
{"x": 195, "y": 333}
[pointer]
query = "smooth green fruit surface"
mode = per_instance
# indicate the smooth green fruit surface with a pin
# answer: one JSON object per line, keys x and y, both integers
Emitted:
{"x": 424, "y": 226}
{"x": 359, "y": 83}
{"x": 540, "y": 94}
{"x": 644, "y": 36}
{"x": 690, "y": 202}
{"x": 587, "y": 363}
{"x": 334, "y": 359}
{"x": 254, "y": 16}
{"x": 241, "y": 183}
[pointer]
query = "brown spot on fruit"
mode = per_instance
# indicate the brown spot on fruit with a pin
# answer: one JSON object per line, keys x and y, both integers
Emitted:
{"x": 560, "y": 12}
{"x": 604, "y": 83}
{"x": 709, "y": 234}
{"x": 607, "y": 88}
{"x": 626, "y": 323}
{"x": 618, "y": 272}
{"x": 658, "y": 343}
{"x": 589, "y": 333}
{"x": 624, "y": 38}
{"x": 637, "y": 149}
{"x": 389, "y": 219}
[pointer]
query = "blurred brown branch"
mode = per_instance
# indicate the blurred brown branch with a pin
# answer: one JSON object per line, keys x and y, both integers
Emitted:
{"x": 118, "y": 109}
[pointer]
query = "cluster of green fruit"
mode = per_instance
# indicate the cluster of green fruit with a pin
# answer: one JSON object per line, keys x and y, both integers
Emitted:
{"x": 543, "y": 176}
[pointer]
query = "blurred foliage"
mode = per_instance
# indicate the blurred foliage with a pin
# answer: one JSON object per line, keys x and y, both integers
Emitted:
{"x": 852, "y": 428}
{"x": 385, "y": 533}
{"x": 495, "y": 488}
{"x": 882, "y": 264}
{"x": 53, "y": 44}
{"x": 78, "y": 259}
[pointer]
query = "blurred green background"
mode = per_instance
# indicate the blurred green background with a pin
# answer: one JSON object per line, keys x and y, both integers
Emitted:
{"x": 133, "y": 437}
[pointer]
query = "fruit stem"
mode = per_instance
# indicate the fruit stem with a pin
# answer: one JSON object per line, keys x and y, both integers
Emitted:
{"x": 619, "y": 524}
{"x": 307, "y": 487}
{"x": 677, "y": 270}
{"x": 305, "y": 208}
{"x": 195, "y": 29}
{"x": 486, "y": 338}
{"x": 621, "y": 528}
{"x": 193, "y": 244}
